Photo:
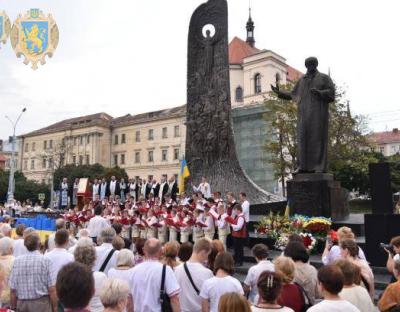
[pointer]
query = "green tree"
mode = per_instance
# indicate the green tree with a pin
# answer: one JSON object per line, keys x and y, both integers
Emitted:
{"x": 349, "y": 151}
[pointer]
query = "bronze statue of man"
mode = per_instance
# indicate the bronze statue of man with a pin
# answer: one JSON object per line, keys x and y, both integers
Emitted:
{"x": 313, "y": 93}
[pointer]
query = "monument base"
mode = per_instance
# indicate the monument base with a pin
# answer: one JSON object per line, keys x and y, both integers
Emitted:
{"x": 317, "y": 194}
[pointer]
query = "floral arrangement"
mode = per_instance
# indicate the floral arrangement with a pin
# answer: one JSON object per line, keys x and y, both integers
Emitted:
{"x": 279, "y": 227}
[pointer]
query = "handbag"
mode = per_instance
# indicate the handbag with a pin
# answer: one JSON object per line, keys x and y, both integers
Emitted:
{"x": 307, "y": 301}
{"x": 164, "y": 298}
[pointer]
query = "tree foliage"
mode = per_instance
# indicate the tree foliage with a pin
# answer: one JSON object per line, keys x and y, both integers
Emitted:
{"x": 349, "y": 151}
{"x": 86, "y": 171}
{"x": 24, "y": 189}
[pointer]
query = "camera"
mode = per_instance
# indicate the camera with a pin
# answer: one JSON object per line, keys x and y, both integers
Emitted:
{"x": 387, "y": 247}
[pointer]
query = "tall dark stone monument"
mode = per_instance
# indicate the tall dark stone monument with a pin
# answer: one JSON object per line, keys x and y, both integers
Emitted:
{"x": 313, "y": 192}
{"x": 210, "y": 147}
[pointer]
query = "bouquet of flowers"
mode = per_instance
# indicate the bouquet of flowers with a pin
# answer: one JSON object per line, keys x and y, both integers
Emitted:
{"x": 318, "y": 226}
{"x": 273, "y": 225}
{"x": 309, "y": 241}
{"x": 282, "y": 242}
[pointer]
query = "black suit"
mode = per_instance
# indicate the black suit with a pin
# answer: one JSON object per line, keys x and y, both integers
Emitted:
{"x": 174, "y": 191}
{"x": 156, "y": 190}
{"x": 117, "y": 189}
{"x": 147, "y": 190}
{"x": 164, "y": 190}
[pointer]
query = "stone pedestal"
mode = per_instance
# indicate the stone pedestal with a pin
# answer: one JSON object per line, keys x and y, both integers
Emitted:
{"x": 317, "y": 194}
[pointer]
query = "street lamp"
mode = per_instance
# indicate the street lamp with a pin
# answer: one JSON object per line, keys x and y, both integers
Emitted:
{"x": 11, "y": 183}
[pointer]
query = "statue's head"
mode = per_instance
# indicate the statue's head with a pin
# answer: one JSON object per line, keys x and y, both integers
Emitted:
{"x": 311, "y": 63}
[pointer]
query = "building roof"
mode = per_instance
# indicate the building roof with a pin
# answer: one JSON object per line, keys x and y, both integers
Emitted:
{"x": 239, "y": 50}
{"x": 77, "y": 122}
{"x": 178, "y": 111}
{"x": 293, "y": 74}
{"x": 386, "y": 137}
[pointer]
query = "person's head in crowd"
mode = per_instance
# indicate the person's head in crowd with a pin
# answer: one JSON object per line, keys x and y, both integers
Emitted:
{"x": 152, "y": 249}
{"x": 114, "y": 295}
{"x": 294, "y": 237}
{"x": 348, "y": 249}
{"x": 85, "y": 255}
{"x": 32, "y": 242}
{"x": 185, "y": 251}
{"x": 215, "y": 250}
{"x": 98, "y": 210}
{"x": 269, "y": 286}
{"x": 230, "y": 197}
{"x": 28, "y": 231}
{"x": 286, "y": 267}
{"x": 331, "y": 280}
{"x": 345, "y": 233}
{"x": 218, "y": 245}
{"x": 260, "y": 252}
{"x": 395, "y": 242}
{"x": 139, "y": 245}
{"x": 6, "y": 246}
{"x": 6, "y": 230}
{"x": 117, "y": 227}
{"x": 125, "y": 258}
{"x": 118, "y": 243}
{"x": 224, "y": 261}
{"x": 238, "y": 209}
{"x": 351, "y": 272}
{"x": 60, "y": 224}
{"x": 75, "y": 286}
{"x": 297, "y": 251}
{"x": 107, "y": 235}
{"x": 84, "y": 241}
{"x": 20, "y": 230}
{"x": 233, "y": 302}
{"x": 83, "y": 233}
{"x": 242, "y": 196}
{"x": 171, "y": 250}
{"x": 61, "y": 239}
{"x": 201, "y": 250}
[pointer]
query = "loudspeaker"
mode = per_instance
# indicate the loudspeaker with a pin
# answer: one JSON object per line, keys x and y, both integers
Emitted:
{"x": 376, "y": 233}
{"x": 381, "y": 191}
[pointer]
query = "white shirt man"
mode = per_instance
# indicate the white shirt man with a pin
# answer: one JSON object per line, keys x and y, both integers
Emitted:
{"x": 245, "y": 207}
{"x": 103, "y": 190}
{"x": 146, "y": 281}
{"x": 96, "y": 224}
{"x": 59, "y": 256}
{"x": 260, "y": 252}
{"x": 95, "y": 190}
{"x": 203, "y": 188}
{"x": 19, "y": 248}
{"x": 113, "y": 187}
{"x": 189, "y": 299}
{"x": 107, "y": 235}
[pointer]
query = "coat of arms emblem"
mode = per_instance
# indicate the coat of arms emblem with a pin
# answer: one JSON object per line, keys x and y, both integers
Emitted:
{"x": 34, "y": 36}
{"x": 5, "y": 27}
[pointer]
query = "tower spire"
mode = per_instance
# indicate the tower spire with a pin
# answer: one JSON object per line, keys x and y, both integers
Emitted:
{"x": 250, "y": 30}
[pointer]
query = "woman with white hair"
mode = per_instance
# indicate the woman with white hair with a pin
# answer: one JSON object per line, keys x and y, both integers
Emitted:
{"x": 114, "y": 295}
{"x": 6, "y": 261}
{"x": 124, "y": 269}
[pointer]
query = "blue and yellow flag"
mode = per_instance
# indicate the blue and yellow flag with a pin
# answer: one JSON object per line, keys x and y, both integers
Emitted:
{"x": 184, "y": 173}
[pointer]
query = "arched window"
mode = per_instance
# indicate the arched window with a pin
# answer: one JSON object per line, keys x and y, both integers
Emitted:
{"x": 257, "y": 83}
{"x": 239, "y": 94}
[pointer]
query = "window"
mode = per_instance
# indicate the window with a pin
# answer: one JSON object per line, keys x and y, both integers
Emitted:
{"x": 257, "y": 83}
{"x": 44, "y": 163}
{"x": 87, "y": 160}
{"x": 116, "y": 139}
{"x": 44, "y": 145}
{"x": 382, "y": 149}
{"x": 75, "y": 141}
{"x": 137, "y": 157}
{"x": 239, "y": 94}
{"x": 25, "y": 164}
{"x": 50, "y": 163}
{"x": 122, "y": 159}
{"x": 150, "y": 156}
{"x": 115, "y": 160}
{"x": 123, "y": 138}
{"x": 151, "y": 134}
{"x": 32, "y": 164}
{"x": 88, "y": 139}
{"x": 26, "y": 147}
{"x": 164, "y": 155}
{"x": 80, "y": 160}
{"x": 51, "y": 144}
{"x": 137, "y": 136}
{"x": 176, "y": 153}
{"x": 176, "y": 132}
{"x": 164, "y": 132}
{"x": 33, "y": 146}
{"x": 74, "y": 160}
{"x": 81, "y": 140}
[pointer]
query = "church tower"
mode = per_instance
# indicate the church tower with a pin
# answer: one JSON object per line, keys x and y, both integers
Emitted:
{"x": 250, "y": 31}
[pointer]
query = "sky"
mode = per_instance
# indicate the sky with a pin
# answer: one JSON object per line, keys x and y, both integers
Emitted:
{"x": 129, "y": 56}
